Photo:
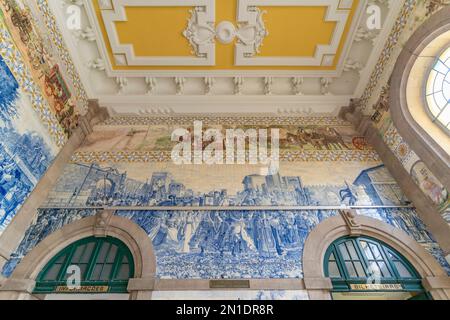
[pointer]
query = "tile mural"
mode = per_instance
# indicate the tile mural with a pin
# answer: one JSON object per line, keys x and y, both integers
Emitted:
{"x": 194, "y": 242}
{"x": 165, "y": 184}
{"x": 26, "y": 150}
{"x": 226, "y": 244}
{"x": 38, "y": 55}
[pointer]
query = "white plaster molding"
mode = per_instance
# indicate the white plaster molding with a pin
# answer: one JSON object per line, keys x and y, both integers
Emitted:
{"x": 297, "y": 83}
{"x": 327, "y": 59}
{"x": 338, "y": 11}
{"x": 225, "y": 32}
{"x": 209, "y": 83}
{"x": 200, "y": 33}
{"x": 311, "y": 105}
{"x": 151, "y": 83}
{"x": 204, "y": 14}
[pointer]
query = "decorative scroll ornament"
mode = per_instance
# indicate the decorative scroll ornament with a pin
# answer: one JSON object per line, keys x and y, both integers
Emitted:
{"x": 249, "y": 34}
{"x": 198, "y": 33}
{"x": 253, "y": 34}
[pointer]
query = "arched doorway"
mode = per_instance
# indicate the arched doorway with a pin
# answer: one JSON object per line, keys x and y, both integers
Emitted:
{"x": 320, "y": 286}
{"x": 90, "y": 265}
{"x": 101, "y": 226}
{"x": 366, "y": 268}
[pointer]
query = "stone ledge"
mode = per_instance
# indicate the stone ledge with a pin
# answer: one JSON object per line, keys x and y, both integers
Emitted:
{"x": 141, "y": 284}
{"x": 318, "y": 283}
{"x": 18, "y": 285}
{"x": 432, "y": 283}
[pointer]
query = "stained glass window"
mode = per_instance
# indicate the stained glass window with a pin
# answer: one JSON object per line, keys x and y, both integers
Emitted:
{"x": 438, "y": 91}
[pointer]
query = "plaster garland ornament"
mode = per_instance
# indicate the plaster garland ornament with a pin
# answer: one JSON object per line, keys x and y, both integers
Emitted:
{"x": 122, "y": 82}
{"x": 87, "y": 34}
{"x": 238, "y": 85}
{"x": 352, "y": 65}
{"x": 209, "y": 83}
{"x": 364, "y": 34}
{"x": 325, "y": 86}
{"x": 75, "y": 2}
{"x": 179, "y": 83}
{"x": 97, "y": 64}
{"x": 297, "y": 84}
{"x": 249, "y": 34}
{"x": 151, "y": 83}
{"x": 268, "y": 81}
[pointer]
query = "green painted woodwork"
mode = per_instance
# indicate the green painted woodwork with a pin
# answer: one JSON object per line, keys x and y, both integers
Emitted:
{"x": 103, "y": 262}
{"x": 355, "y": 260}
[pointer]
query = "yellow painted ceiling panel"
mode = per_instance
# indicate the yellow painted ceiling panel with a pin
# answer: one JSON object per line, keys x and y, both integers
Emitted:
{"x": 293, "y": 31}
{"x": 155, "y": 31}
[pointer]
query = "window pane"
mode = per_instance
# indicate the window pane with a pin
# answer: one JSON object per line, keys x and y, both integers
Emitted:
{"x": 61, "y": 259}
{"x": 401, "y": 269}
{"x": 376, "y": 252}
{"x": 351, "y": 249}
{"x": 333, "y": 270}
{"x": 351, "y": 270}
{"x": 77, "y": 255}
{"x": 103, "y": 251}
{"x": 96, "y": 272}
{"x": 445, "y": 115}
{"x": 366, "y": 250}
{"x": 438, "y": 89}
{"x": 374, "y": 269}
{"x": 83, "y": 268}
{"x": 441, "y": 67}
{"x": 52, "y": 274}
{"x": 360, "y": 270}
{"x": 384, "y": 270}
{"x": 124, "y": 272}
{"x": 112, "y": 254}
{"x": 106, "y": 272}
{"x": 332, "y": 258}
{"x": 88, "y": 252}
{"x": 344, "y": 252}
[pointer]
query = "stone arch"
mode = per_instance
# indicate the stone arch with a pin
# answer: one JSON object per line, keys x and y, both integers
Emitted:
{"x": 426, "y": 147}
{"x": 435, "y": 278}
{"x": 22, "y": 281}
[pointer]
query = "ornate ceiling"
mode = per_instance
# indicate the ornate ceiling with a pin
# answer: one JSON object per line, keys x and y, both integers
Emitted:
{"x": 303, "y": 57}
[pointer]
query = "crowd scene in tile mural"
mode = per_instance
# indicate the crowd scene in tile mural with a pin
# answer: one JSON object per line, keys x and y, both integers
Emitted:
{"x": 202, "y": 244}
{"x": 24, "y": 154}
{"x": 221, "y": 243}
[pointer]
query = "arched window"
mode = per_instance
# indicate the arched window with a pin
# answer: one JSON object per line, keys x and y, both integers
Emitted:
{"x": 354, "y": 262}
{"x": 105, "y": 265}
{"x": 438, "y": 91}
